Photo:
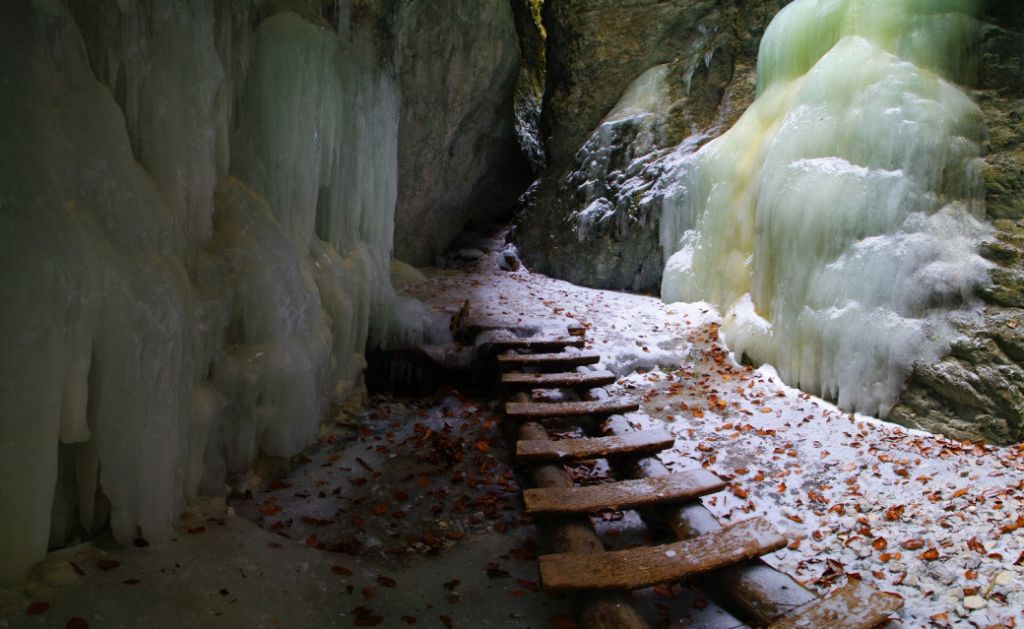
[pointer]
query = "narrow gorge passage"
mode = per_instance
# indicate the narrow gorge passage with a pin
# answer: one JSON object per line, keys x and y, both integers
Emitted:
{"x": 284, "y": 285}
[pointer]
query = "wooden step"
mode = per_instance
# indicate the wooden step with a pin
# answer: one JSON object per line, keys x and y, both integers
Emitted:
{"x": 854, "y": 606}
{"x": 577, "y": 329}
{"x": 536, "y": 344}
{"x": 643, "y": 442}
{"x": 569, "y": 409}
{"x": 652, "y": 565}
{"x": 548, "y": 361}
{"x": 627, "y": 494}
{"x": 570, "y": 379}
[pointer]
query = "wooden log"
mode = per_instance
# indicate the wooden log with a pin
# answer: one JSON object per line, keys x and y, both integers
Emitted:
{"x": 535, "y": 344}
{"x": 753, "y": 590}
{"x": 564, "y": 380}
{"x": 854, "y": 606}
{"x": 536, "y": 410}
{"x": 548, "y": 361}
{"x": 645, "y": 566}
{"x": 576, "y": 535}
{"x": 633, "y": 443}
{"x": 628, "y": 494}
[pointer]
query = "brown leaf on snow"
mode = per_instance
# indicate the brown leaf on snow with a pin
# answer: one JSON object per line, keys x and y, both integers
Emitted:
{"x": 913, "y": 544}
{"x": 533, "y": 586}
{"x": 270, "y": 509}
{"x": 929, "y": 555}
{"x": 895, "y": 513}
{"x": 341, "y": 571}
{"x": 880, "y": 543}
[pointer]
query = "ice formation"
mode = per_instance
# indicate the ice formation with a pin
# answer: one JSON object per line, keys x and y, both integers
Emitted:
{"x": 196, "y": 215}
{"x": 836, "y": 223}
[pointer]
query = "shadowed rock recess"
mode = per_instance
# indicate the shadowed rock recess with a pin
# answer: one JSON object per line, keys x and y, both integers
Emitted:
{"x": 705, "y": 57}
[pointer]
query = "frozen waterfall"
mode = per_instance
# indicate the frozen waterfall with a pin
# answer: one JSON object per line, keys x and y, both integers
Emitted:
{"x": 836, "y": 224}
{"x": 196, "y": 217}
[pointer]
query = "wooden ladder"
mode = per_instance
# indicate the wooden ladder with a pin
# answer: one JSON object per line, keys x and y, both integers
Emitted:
{"x": 723, "y": 559}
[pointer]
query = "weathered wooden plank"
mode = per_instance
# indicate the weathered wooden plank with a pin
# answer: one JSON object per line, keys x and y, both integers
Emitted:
{"x": 569, "y": 409}
{"x": 635, "y": 443}
{"x": 577, "y": 329}
{"x": 755, "y": 591}
{"x": 855, "y": 606}
{"x": 557, "y": 360}
{"x": 571, "y": 379}
{"x": 651, "y": 565}
{"x": 628, "y": 494}
{"x": 533, "y": 344}
{"x": 575, "y": 535}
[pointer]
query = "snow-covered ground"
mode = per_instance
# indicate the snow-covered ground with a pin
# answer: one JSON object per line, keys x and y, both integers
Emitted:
{"x": 940, "y": 522}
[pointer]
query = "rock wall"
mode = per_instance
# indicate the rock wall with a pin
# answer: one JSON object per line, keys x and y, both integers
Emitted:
{"x": 977, "y": 392}
{"x": 197, "y": 216}
{"x": 597, "y": 164}
{"x": 459, "y": 158}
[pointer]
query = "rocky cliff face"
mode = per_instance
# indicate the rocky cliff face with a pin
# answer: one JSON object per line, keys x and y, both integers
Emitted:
{"x": 977, "y": 392}
{"x": 587, "y": 219}
{"x": 459, "y": 159}
{"x": 197, "y": 216}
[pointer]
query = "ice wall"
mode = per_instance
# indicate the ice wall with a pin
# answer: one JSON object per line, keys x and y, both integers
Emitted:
{"x": 196, "y": 218}
{"x": 836, "y": 223}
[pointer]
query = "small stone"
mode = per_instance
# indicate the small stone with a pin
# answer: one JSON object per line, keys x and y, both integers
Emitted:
{"x": 975, "y": 602}
{"x": 1004, "y": 578}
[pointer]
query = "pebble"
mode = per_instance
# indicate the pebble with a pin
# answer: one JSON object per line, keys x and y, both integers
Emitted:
{"x": 941, "y": 573}
{"x": 975, "y": 602}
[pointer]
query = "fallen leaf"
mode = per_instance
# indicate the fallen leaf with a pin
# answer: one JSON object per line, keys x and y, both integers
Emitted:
{"x": 895, "y": 513}
{"x": 929, "y": 555}
{"x": 270, "y": 509}
{"x": 39, "y": 607}
{"x": 533, "y": 586}
{"x": 562, "y": 621}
